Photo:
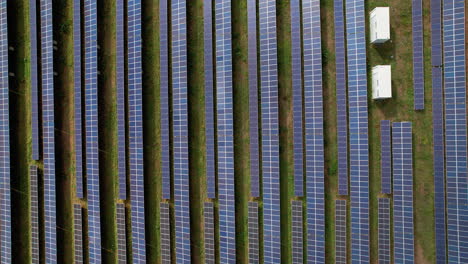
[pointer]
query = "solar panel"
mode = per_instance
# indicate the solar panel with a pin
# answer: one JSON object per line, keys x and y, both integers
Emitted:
{"x": 436, "y": 32}
{"x": 48, "y": 130}
{"x": 253, "y": 98}
{"x": 165, "y": 234}
{"x": 313, "y": 111}
{"x": 296, "y": 65}
{"x": 78, "y": 233}
{"x": 209, "y": 234}
{"x": 164, "y": 100}
{"x": 121, "y": 234}
{"x": 35, "y": 248}
{"x": 418, "y": 55}
{"x": 341, "y": 101}
{"x": 340, "y": 232}
{"x": 180, "y": 130}
{"x": 77, "y": 87}
{"x": 455, "y": 129}
{"x": 385, "y": 156}
{"x": 270, "y": 132}
{"x": 120, "y": 65}
{"x": 403, "y": 192}
{"x": 253, "y": 233}
{"x": 297, "y": 233}
{"x": 384, "y": 231}
{"x": 135, "y": 121}
{"x": 358, "y": 130}
{"x": 34, "y": 80}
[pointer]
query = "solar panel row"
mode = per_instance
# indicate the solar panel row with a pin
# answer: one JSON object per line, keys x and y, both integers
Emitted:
{"x": 253, "y": 233}
{"x": 455, "y": 129}
{"x": 34, "y": 80}
{"x": 78, "y": 233}
{"x": 48, "y": 130}
{"x": 209, "y": 99}
{"x": 180, "y": 130}
{"x": 341, "y": 100}
{"x": 403, "y": 230}
{"x": 120, "y": 65}
{"x": 384, "y": 231}
{"x": 418, "y": 55}
{"x": 340, "y": 231}
{"x": 358, "y": 130}
{"x": 91, "y": 128}
{"x": 35, "y": 248}
{"x": 296, "y": 65}
{"x": 270, "y": 131}
{"x": 209, "y": 234}
{"x": 121, "y": 234}
{"x": 253, "y": 98}
{"x": 77, "y": 89}
{"x": 135, "y": 121}
{"x": 385, "y": 156}
{"x": 313, "y": 111}
{"x": 165, "y": 234}
{"x": 297, "y": 233}
{"x": 164, "y": 100}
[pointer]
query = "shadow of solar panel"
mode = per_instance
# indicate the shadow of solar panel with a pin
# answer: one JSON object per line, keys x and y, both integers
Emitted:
{"x": 121, "y": 234}
{"x": 209, "y": 234}
{"x": 384, "y": 231}
{"x": 165, "y": 234}
{"x": 78, "y": 233}
{"x": 253, "y": 232}
{"x": 34, "y": 81}
{"x": 35, "y": 248}
{"x": 418, "y": 55}
{"x": 385, "y": 156}
{"x": 297, "y": 233}
{"x": 340, "y": 231}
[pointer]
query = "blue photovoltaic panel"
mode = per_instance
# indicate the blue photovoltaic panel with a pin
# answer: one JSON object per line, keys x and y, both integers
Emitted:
{"x": 165, "y": 234}
{"x": 78, "y": 233}
{"x": 180, "y": 131}
{"x": 120, "y": 60}
{"x": 385, "y": 156}
{"x": 296, "y": 65}
{"x": 297, "y": 233}
{"x": 455, "y": 129}
{"x": 313, "y": 111}
{"x": 48, "y": 130}
{"x": 34, "y": 80}
{"x": 358, "y": 130}
{"x": 209, "y": 100}
{"x": 77, "y": 88}
{"x": 164, "y": 93}
{"x": 210, "y": 257}
{"x": 135, "y": 122}
{"x": 340, "y": 232}
{"x": 253, "y": 98}
{"x": 121, "y": 234}
{"x": 35, "y": 249}
{"x": 436, "y": 32}
{"x": 225, "y": 133}
{"x": 341, "y": 100}
{"x": 403, "y": 229}
{"x": 384, "y": 231}
{"x": 270, "y": 132}
{"x": 418, "y": 55}
{"x": 91, "y": 128}
{"x": 253, "y": 233}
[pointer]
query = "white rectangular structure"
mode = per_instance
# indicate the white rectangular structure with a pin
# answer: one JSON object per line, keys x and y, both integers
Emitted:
{"x": 381, "y": 82}
{"x": 380, "y": 25}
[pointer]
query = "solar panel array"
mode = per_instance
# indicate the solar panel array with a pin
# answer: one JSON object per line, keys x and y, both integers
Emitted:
{"x": 384, "y": 231}
{"x": 77, "y": 102}
{"x": 254, "y": 251}
{"x": 34, "y": 214}
{"x": 121, "y": 234}
{"x": 135, "y": 121}
{"x": 78, "y": 233}
{"x": 180, "y": 130}
{"x": 297, "y": 233}
{"x": 165, "y": 234}
{"x": 270, "y": 132}
{"x": 358, "y": 130}
{"x": 418, "y": 55}
{"x": 313, "y": 112}
{"x": 296, "y": 66}
{"x": 164, "y": 100}
{"x": 403, "y": 192}
{"x": 48, "y": 130}
{"x": 209, "y": 100}
{"x": 253, "y": 98}
{"x": 386, "y": 156}
{"x": 209, "y": 234}
{"x": 341, "y": 100}
{"x": 34, "y": 80}
{"x": 340, "y": 231}
{"x": 120, "y": 65}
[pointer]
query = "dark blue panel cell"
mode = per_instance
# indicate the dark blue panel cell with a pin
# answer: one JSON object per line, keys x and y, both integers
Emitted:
{"x": 340, "y": 232}
{"x": 120, "y": 39}
{"x": 35, "y": 247}
{"x": 384, "y": 231}
{"x": 385, "y": 157}
{"x": 418, "y": 55}
{"x": 34, "y": 80}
